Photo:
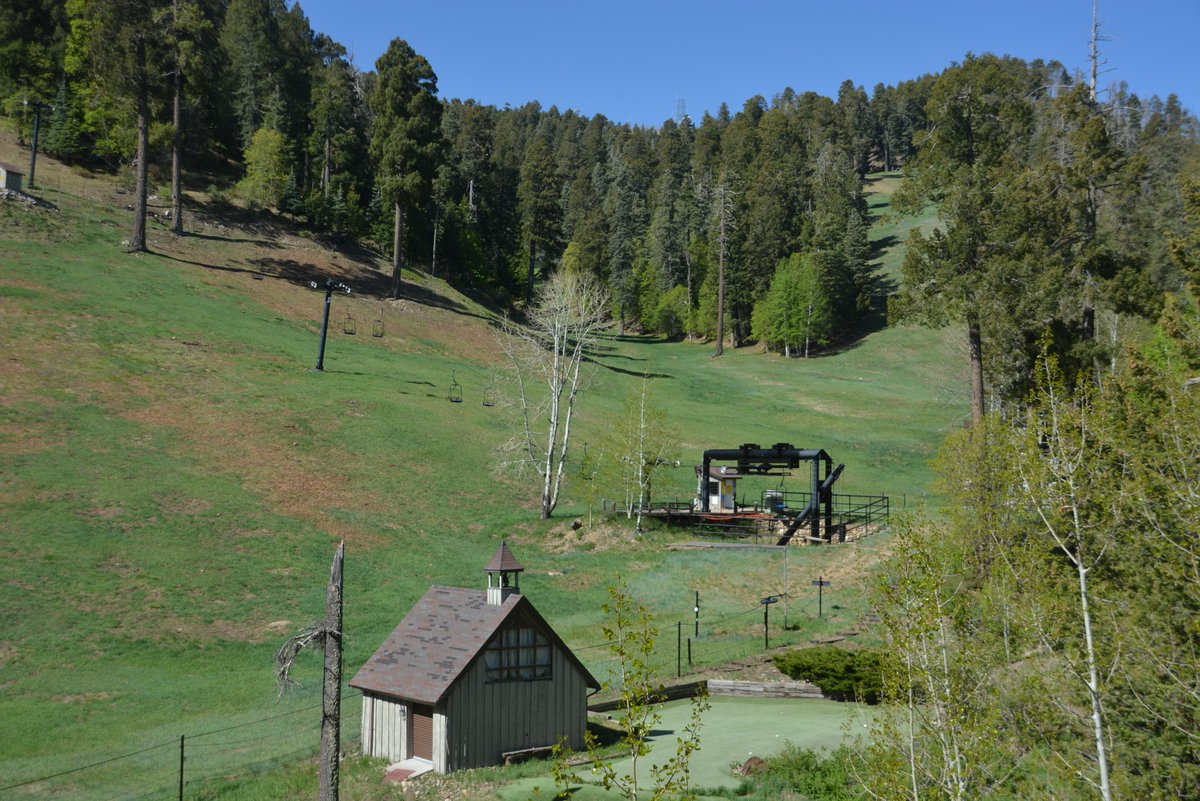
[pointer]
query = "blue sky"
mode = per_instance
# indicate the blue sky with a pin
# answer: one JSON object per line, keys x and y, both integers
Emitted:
{"x": 633, "y": 61}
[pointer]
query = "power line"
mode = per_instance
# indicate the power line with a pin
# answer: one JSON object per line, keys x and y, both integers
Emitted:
{"x": 350, "y": 694}
{"x": 86, "y": 767}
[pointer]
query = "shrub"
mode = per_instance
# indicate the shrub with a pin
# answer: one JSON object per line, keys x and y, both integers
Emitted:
{"x": 842, "y": 675}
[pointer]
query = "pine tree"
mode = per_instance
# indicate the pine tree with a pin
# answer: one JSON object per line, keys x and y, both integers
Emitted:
{"x": 188, "y": 29}
{"x": 250, "y": 41}
{"x": 407, "y": 140}
{"x": 538, "y": 196}
{"x": 979, "y": 114}
{"x": 127, "y": 54}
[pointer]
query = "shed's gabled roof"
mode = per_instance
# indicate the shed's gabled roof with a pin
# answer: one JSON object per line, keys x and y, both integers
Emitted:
{"x": 11, "y": 168}
{"x": 438, "y": 639}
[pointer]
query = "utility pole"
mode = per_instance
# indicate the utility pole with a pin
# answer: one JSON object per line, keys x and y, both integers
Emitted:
{"x": 1095, "y": 54}
{"x": 331, "y": 691}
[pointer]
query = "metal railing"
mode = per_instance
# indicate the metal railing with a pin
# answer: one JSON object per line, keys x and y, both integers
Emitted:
{"x": 855, "y": 511}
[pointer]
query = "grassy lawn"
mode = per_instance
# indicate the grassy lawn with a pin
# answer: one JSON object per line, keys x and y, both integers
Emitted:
{"x": 174, "y": 476}
{"x": 734, "y": 730}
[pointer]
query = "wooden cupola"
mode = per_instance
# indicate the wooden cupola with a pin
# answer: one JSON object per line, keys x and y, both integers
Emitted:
{"x": 502, "y": 575}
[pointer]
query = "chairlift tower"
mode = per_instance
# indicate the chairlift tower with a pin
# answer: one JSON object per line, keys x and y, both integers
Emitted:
{"x": 329, "y": 286}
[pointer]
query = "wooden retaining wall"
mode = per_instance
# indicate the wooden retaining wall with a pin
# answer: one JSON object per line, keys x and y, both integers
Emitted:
{"x": 764, "y": 689}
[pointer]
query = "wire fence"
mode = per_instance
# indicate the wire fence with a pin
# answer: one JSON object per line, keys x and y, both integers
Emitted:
{"x": 194, "y": 765}
{"x": 691, "y": 646}
{"x": 189, "y": 766}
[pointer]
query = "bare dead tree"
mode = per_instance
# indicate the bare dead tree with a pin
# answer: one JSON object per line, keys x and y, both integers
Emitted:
{"x": 327, "y": 635}
{"x": 723, "y": 197}
{"x": 546, "y": 361}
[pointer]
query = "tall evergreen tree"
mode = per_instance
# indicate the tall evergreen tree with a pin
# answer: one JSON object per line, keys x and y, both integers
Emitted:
{"x": 188, "y": 29}
{"x": 337, "y": 143}
{"x": 407, "y": 136}
{"x": 539, "y": 196}
{"x": 979, "y": 116}
{"x": 32, "y": 41}
{"x": 250, "y": 40}
{"x": 126, "y": 50}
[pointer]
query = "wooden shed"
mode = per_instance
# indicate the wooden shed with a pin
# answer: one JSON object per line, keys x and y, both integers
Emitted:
{"x": 10, "y": 177}
{"x": 470, "y": 676}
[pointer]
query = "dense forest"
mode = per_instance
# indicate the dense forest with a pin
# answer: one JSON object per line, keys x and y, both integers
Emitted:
{"x": 1054, "y": 200}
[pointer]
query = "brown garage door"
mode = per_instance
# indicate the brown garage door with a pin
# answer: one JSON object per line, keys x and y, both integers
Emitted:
{"x": 422, "y": 729}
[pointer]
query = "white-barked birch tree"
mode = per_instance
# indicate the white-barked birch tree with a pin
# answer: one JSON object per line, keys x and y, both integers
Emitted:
{"x": 546, "y": 359}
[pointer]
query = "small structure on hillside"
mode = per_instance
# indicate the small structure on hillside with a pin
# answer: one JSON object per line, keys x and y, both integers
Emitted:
{"x": 721, "y": 490}
{"x": 11, "y": 177}
{"x": 817, "y": 514}
{"x": 473, "y": 678}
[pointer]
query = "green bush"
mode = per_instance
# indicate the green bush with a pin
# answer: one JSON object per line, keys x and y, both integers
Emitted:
{"x": 801, "y": 773}
{"x": 842, "y": 675}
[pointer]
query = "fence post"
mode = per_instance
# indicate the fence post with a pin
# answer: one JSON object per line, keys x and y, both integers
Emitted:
{"x": 689, "y": 653}
{"x": 678, "y": 648}
{"x": 181, "y": 767}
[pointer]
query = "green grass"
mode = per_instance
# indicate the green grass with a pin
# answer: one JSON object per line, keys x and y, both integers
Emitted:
{"x": 734, "y": 730}
{"x": 173, "y": 478}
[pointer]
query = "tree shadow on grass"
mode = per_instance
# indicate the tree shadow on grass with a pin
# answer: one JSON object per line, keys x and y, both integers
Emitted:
{"x": 623, "y": 371}
{"x": 882, "y": 245}
{"x": 264, "y": 243}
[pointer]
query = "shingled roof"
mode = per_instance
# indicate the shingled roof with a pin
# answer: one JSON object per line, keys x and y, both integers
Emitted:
{"x": 438, "y": 639}
{"x": 503, "y": 561}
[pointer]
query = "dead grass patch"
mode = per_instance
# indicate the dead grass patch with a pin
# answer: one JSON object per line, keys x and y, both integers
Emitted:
{"x": 143, "y": 614}
{"x": 105, "y": 512}
{"x": 116, "y": 566}
{"x": 27, "y": 439}
{"x": 181, "y": 505}
{"x": 251, "y": 450}
{"x": 83, "y": 698}
{"x": 597, "y": 538}
{"x": 8, "y": 652}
